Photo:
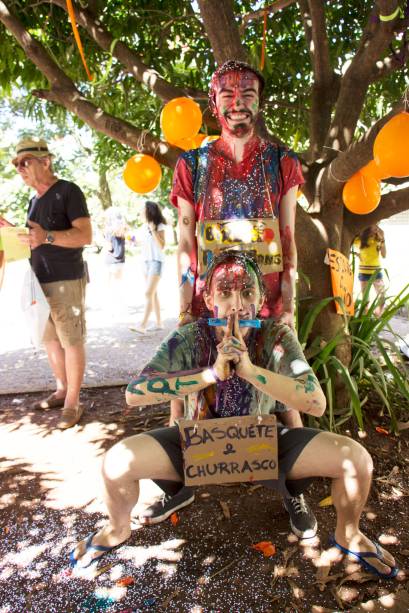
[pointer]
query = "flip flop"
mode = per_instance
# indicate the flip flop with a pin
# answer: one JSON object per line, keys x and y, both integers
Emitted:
{"x": 362, "y": 556}
{"x": 90, "y": 547}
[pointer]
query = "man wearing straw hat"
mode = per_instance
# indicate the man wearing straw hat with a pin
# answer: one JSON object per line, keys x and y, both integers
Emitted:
{"x": 59, "y": 227}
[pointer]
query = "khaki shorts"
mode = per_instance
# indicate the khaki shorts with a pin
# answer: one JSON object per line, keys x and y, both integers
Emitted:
{"x": 66, "y": 322}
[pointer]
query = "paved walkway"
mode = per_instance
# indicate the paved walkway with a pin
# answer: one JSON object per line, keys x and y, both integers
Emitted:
{"x": 114, "y": 352}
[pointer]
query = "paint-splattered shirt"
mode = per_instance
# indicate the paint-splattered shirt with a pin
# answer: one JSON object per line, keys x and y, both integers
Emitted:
{"x": 219, "y": 189}
{"x": 274, "y": 347}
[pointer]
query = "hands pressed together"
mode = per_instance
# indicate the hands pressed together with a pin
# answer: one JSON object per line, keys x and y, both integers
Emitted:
{"x": 232, "y": 354}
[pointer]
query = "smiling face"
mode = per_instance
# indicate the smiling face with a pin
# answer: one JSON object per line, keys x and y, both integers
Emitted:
{"x": 234, "y": 288}
{"x": 236, "y": 96}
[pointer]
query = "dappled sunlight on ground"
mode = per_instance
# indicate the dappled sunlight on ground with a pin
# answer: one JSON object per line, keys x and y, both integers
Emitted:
{"x": 50, "y": 500}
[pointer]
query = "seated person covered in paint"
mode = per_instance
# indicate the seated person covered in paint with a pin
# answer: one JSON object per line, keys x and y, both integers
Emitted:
{"x": 235, "y": 370}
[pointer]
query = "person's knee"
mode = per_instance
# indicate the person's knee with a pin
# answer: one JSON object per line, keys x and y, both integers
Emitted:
{"x": 118, "y": 462}
{"x": 355, "y": 459}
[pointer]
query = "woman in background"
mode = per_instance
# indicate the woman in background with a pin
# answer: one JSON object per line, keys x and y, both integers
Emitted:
{"x": 153, "y": 243}
{"x": 371, "y": 244}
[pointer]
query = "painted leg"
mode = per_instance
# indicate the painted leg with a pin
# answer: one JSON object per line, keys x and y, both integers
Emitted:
{"x": 350, "y": 467}
{"x": 134, "y": 458}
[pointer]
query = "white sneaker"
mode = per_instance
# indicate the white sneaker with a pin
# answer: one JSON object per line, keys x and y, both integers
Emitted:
{"x": 155, "y": 328}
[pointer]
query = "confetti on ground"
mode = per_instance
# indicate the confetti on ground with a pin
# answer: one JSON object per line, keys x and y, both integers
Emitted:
{"x": 266, "y": 547}
{"x": 225, "y": 509}
{"x": 125, "y": 581}
{"x": 382, "y": 430}
{"x": 174, "y": 519}
{"x": 325, "y": 502}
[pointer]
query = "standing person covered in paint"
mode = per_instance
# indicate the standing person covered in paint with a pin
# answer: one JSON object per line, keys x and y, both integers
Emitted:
{"x": 238, "y": 192}
{"x": 371, "y": 245}
{"x": 153, "y": 243}
{"x": 237, "y": 371}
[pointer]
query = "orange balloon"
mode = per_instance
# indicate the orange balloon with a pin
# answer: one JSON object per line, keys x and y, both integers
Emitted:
{"x": 361, "y": 193}
{"x": 142, "y": 173}
{"x": 190, "y": 143}
{"x": 180, "y": 118}
{"x": 209, "y": 139}
{"x": 372, "y": 169}
{"x": 391, "y": 147}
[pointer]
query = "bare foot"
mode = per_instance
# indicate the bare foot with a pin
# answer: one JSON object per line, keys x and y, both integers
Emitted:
{"x": 85, "y": 553}
{"x": 360, "y": 544}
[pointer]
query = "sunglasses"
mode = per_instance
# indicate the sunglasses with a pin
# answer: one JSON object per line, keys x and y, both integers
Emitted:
{"x": 23, "y": 163}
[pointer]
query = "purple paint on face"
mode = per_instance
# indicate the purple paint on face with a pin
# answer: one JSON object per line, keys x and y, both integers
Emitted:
{"x": 216, "y": 311}
{"x": 253, "y": 311}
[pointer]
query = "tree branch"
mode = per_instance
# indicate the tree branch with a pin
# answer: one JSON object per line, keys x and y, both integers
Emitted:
{"x": 390, "y": 204}
{"x": 358, "y": 76}
{"x": 326, "y": 83}
{"x": 129, "y": 59}
{"x": 64, "y": 92}
{"x": 348, "y": 162}
{"x": 270, "y": 10}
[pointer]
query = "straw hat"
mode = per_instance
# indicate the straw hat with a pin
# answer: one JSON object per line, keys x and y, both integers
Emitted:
{"x": 35, "y": 147}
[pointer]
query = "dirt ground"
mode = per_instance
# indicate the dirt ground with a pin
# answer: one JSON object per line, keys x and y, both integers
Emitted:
{"x": 205, "y": 563}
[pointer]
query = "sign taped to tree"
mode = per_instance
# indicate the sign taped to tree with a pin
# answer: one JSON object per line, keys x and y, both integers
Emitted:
{"x": 229, "y": 449}
{"x": 342, "y": 280}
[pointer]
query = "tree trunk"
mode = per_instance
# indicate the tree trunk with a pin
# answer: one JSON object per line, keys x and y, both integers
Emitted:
{"x": 104, "y": 191}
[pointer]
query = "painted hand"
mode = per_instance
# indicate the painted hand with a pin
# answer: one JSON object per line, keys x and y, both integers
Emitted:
{"x": 287, "y": 318}
{"x": 243, "y": 366}
{"x": 36, "y": 234}
{"x": 228, "y": 353}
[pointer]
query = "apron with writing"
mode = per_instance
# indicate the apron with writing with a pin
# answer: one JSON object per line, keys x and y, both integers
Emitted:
{"x": 260, "y": 236}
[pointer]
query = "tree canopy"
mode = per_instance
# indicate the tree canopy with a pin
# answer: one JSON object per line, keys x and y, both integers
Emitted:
{"x": 335, "y": 73}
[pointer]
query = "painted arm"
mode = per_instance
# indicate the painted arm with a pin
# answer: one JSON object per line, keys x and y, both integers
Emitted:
{"x": 161, "y": 387}
{"x": 186, "y": 257}
{"x": 79, "y": 235}
{"x": 288, "y": 277}
{"x": 302, "y": 393}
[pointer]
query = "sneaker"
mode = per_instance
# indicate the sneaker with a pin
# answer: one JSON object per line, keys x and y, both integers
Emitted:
{"x": 302, "y": 519}
{"x": 162, "y": 509}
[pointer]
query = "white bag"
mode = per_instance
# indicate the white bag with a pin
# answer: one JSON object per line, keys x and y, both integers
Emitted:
{"x": 35, "y": 307}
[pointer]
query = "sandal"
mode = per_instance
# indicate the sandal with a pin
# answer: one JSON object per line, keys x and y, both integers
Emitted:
{"x": 89, "y": 547}
{"x": 362, "y": 556}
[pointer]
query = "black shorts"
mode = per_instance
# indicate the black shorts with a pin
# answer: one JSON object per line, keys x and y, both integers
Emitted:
{"x": 291, "y": 442}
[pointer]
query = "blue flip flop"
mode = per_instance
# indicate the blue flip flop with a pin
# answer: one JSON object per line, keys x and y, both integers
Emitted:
{"x": 90, "y": 547}
{"x": 362, "y": 556}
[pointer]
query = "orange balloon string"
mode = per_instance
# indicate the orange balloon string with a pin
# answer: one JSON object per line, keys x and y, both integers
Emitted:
{"x": 71, "y": 14}
{"x": 263, "y": 46}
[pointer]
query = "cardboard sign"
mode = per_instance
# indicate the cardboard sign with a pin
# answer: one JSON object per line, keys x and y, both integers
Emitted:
{"x": 13, "y": 248}
{"x": 342, "y": 280}
{"x": 260, "y": 237}
{"x": 229, "y": 449}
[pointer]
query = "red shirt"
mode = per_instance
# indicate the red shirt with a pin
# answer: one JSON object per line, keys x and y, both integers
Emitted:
{"x": 219, "y": 189}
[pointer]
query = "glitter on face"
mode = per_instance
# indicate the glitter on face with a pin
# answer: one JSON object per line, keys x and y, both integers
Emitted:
{"x": 237, "y": 102}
